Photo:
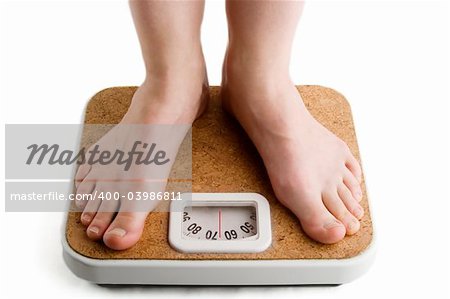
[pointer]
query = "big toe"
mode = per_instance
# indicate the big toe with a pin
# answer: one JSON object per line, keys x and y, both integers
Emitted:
{"x": 125, "y": 230}
{"x": 319, "y": 224}
{"x": 327, "y": 230}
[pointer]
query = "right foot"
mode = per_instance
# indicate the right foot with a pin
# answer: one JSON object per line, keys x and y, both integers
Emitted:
{"x": 177, "y": 98}
{"x": 312, "y": 172}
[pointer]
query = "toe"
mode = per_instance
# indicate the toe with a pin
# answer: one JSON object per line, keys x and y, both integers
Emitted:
{"x": 352, "y": 184}
{"x": 125, "y": 230}
{"x": 90, "y": 210}
{"x": 82, "y": 172}
{"x": 353, "y": 165}
{"x": 336, "y": 207}
{"x": 102, "y": 219}
{"x": 318, "y": 223}
{"x": 83, "y": 190}
{"x": 350, "y": 202}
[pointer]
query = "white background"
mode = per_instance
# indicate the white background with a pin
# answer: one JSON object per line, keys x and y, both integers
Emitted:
{"x": 390, "y": 59}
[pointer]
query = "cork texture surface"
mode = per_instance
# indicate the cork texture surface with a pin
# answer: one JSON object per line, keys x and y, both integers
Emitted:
{"x": 224, "y": 160}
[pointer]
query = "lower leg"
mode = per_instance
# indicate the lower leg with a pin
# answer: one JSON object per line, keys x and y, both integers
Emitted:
{"x": 312, "y": 171}
{"x": 261, "y": 34}
{"x": 169, "y": 34}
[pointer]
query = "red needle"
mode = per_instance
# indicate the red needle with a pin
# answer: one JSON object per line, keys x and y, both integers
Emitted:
{"x": 220, "y": 224}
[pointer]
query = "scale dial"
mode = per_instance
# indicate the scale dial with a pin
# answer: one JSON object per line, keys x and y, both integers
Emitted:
{"x": 220, "y": 223}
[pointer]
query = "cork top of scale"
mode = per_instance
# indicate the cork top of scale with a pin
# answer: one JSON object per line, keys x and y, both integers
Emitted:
{"x": 225, "y": 160}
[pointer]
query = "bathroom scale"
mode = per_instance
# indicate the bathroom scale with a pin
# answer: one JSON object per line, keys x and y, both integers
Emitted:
{"x": 233, "y": 230}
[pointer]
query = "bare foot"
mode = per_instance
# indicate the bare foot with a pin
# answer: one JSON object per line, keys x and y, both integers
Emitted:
{"x": 170, "y": 100}
{"x": 313, "y": 172}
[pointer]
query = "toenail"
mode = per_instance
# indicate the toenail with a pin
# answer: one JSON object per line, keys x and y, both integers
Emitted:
{"x": 94, "y": 229}
{"x": 359, "y": 212}
{"x": 359, "y": 195}
{"x": 86, "y": 217}
{"x": 331, "y": 224}
{"x": 119, "y": 232}
{"x": 353, "y": 225}
{"x": 79, "y": 204}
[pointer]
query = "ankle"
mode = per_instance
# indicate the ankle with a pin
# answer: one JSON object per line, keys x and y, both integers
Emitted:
{"x": 242, "y": 67}
{"x": 170, "y": 99}
{"x": 241, "y": 83}
{"x": 191, "y": 66}
{"x": 177, "y": 88}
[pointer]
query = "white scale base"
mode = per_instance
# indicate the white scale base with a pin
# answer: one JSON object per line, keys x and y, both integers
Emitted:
{"x": 213, "y": 272}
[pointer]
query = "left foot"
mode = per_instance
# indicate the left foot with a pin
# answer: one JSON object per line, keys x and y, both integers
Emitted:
{"x": 313, "y": 172}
